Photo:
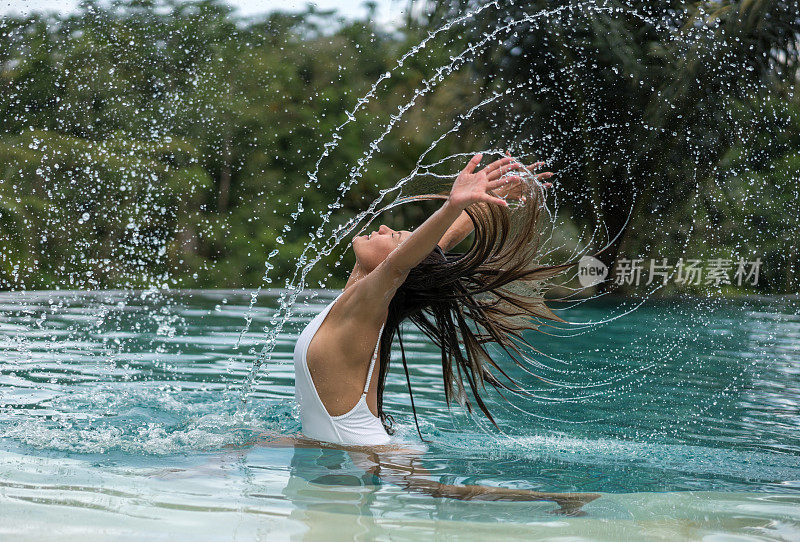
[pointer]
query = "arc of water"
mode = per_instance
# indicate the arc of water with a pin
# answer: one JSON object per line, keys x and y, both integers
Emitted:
{"x": 428, "y": 84}
{"x": 295, "y": 285}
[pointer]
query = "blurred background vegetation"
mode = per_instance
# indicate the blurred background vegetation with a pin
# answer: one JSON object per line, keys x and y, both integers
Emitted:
{"x": 135, "y": 122}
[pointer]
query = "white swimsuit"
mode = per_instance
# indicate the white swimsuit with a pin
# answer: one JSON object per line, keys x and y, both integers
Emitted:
{"x": 358, "y": 426}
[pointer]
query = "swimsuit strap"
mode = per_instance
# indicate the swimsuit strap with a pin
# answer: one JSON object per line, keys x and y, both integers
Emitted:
{"x": 372, "y": 362}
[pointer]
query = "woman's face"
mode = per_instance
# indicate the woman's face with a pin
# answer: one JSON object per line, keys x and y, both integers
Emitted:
{"x": 372, "y": 249}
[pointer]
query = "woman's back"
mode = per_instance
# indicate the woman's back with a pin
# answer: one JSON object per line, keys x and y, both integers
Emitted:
{"x": 357, "y": 426}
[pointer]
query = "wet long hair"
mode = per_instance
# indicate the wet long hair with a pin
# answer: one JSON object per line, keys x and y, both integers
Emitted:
{"x": 491, "y": 293}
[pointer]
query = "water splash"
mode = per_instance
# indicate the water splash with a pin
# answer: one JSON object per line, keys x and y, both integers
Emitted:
{"x": 457, "y": 99}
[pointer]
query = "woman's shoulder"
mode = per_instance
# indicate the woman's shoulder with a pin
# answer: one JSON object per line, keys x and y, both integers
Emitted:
{"x": 346, "y": 328}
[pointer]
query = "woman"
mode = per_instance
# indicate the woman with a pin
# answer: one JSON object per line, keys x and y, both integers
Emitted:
{"x": 342, "y": 356}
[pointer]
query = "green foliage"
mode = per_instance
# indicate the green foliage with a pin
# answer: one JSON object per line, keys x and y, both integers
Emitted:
{"x": 176, "y": 121}
{"x": 168, "y": 143}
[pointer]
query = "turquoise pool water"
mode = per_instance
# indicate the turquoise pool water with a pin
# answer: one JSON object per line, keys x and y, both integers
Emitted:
{"x": 120, "y": 419}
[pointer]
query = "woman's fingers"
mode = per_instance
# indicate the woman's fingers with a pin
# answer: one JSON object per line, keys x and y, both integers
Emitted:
{"x": 495, "y": 200}
{"x": 496, "y": 170}
{"x": 500, "y": 171}
{"x": 473, "y": 163}
{"x": 496, "y": 165}
{"x": 501, "y": 182}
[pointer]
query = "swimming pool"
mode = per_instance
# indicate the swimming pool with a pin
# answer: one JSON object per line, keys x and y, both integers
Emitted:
{"x": 120, "y": 418}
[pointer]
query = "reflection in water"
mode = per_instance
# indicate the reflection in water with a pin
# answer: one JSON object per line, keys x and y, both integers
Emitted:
{"x": 351, "y": 480}
{"x": 327, "y": 480}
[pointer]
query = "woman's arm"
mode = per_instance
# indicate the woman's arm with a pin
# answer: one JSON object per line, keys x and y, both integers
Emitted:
{"x": 457, "y": 232}
{"x": 468, "y": 188}
{"x": 378, "y": 287}
{"x": 373, "y": 293}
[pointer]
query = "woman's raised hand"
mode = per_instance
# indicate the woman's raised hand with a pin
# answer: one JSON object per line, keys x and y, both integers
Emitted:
{"x": 515, "y": 190}
{"x": 471, "y": 187}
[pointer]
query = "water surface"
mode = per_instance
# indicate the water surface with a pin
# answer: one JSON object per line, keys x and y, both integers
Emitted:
{"x": 120, "y": 416}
